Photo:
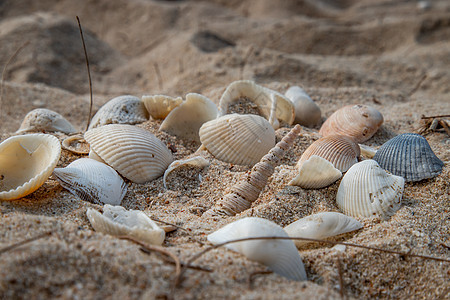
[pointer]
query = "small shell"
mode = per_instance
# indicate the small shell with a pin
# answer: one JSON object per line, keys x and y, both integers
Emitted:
{"x": 132, "y": 151}
{"x": 341, "y": 151}
{"x": 360, "y": 122}
{"x": 76, "y": 144}
{"x": 281, "y": 256}
{"x": 92, "y": 181}
{"x": 185, "y": 120}
{"x": 197, "y": 162}
{"x": 159, "y": 106}
{"x": 120, "y": 110}
{"x": 118, "y": 221}
{"x": 367, "y": 190}
{"x": 307, "y": 112}
{"x": 238, "y": 139}
{"x": 321, "y": 226}
{"x": 316, "y": 173}
{"x": 45, "y": 120}
{"x": 367, "y": 151}
{"x": 26, "y": 162}
{"x": 409, "y": 155}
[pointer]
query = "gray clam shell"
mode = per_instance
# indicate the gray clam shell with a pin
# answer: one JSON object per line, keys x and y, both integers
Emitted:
{"x": 409, "y": 155}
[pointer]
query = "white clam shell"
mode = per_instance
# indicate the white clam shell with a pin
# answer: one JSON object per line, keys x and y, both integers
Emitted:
{"x": 45, "y": 120}
{"x": 132, "y": 151}
{"x": 316, "y": 173}
{"x": 159, "y": 106}
{"x": 92, "y": 181}
{"x": 26, "y": 162}
{"x": 367, "y": 190}
{"x": 196, "y": 162}
{"x": 118, "y": 221}
{"x": 281, "y": 256}
{"x": 320, "y": 226}
{"x": 307, "y": 112}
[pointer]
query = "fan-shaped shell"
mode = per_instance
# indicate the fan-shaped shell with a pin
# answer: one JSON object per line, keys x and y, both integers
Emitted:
{"x": 367, "y": 190}
{"x": 281, "y": 256}
{"x": 341, "y": 151}
{"x": 118, "y": 221}
{"x": 360, "y": 122}
{"x": 159, "y": 106}
{"x": 132, "y": 151}
{"x": 320, "y": 226}
{"x": 196, "y": 162}
{"x": 307, "y": 112}
{"x": 409, "y": 155}
{"x": 26, "y": 162}
{"x": 238, "y": 139}
{"x": 92, "y": 181}
{"x": 45, "y": 120}
{"x": 316, "y": 173}
{"x": 120, "y": 110}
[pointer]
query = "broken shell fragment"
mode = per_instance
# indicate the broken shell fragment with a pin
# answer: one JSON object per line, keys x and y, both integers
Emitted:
{"x": 307, "y": 112}
{"x": 197, "y": 162}
{"x": 75, "y": 144}
{"x": 159, "y": 106}
{"x": 316, "y": 173}
{"x": 367, "y": 151}
{"x": 45, "y": 120}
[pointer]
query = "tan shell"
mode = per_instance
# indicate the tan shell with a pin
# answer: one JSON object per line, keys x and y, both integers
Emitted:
{"x": 26, "y": 162}
{"x": 341, "y": 151}
{"x": 307, "y": 112}
{"x": 159, "y": 106}
{"x": 45, "y": 120}
{"x": 360, "y": 122}
{"x": 197, "y": 162}
{"x": 75, "y": 144}
{"x": 238, "y": 139}
{"x": 316, "y": 173}
{"x": 132, "y": 151}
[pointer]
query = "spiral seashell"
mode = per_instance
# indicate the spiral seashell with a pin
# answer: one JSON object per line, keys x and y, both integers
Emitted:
{"x": 360, "y": 122}
{"x": 26, "y": 162}
{"x": 409, "y": 155}
{"x": 367, "y": 190}
{"x": 238, "y": 139}
{"x": 118, "y": 221}
{"x": 45, "y": 120}
{"x": 321, "y": 226}
{"x": 307, "y": 112}
{"x": 245, "y": 193}
{"x": 316, "y": 173}
{"x": 159, "y": 106}
{"x": 196, "y": 162}
{"x": 120, "y": 110}
{"x": 92, "y": 181}
{"x": 281, "y": 256}
{"x": 340, "y": 150}
{"x": 132, "y": 151}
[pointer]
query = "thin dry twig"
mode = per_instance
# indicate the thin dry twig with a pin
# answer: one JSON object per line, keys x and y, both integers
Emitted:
{"x": 158, "y": 75}
{"x": 417, "y": 86}
{"x": 11, "y": 247}
{"x": 244, "y": 62}
{"x": 434, "y": 117}
{"x": 252, "y": 276}
{"x": 167, "y": 223}
{"x": 341, "y": 278}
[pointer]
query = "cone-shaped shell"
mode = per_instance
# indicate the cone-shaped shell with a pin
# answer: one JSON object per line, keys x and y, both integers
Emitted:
{"x": 367, "y": 190}
{"x": 409, "y": 155}
{"x": 281, "y": 256}
{"x": 118, "y": 221}
{"x": 307, "y": 112}
{"x": 92, "y": 181}
{"x": 321, "y": 226}
{"x": 360, "y": 122}
{"x": 238, "y": 139}
{"x": 198, "y": 162}
{"x": 159, "y": 106}
{"x": 26, "y": 162}
{"x": 341, "y": 151}
{"x": 316, "y": 173}
{"x": 132, "y": 151}
{"x": 45, "y": 120}
{"x": 120, "y": 110}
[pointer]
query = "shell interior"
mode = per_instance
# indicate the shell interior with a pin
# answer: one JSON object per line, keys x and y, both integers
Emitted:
{"x": 42, "y": 119}
{"x": 159, "y": 106}
{"x": 197, "y": 162}
{"x": 75, "y": 144}
{"x": 316, "y": 173}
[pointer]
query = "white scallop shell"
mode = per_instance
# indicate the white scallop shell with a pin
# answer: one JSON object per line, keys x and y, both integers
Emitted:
{"x": 307, "y": 112}
{"x": 120, "y": 110}
{"x": 132, "y": 151}
{"x": 316, "y": 173}
{"x": 367, "y": 190}
{"x": 118, "y": 221}
{"x": 197, "y": 162}
{"x": 26, "y": 162}
{"x": 281, "y": 256}
{"x": 159, "y": 106}
{"x": 320, "y": 226}
{"x": 45, "y": 120}
{"x": 238, "y": 139}
{"x": 92, "y": 181}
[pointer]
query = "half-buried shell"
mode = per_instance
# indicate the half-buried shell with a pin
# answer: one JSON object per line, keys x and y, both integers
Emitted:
{"x": 316, "y": 173}
{"x": 45, "y": 120}
{"x": 159, "y": 106}
{"x": 197, "y": 162}
{"x": 307, "y": 112}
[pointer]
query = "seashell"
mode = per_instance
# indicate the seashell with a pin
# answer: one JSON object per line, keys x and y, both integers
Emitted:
{"x": 132, "y": 151}
{"x": 118, "y": 221}
{"x": 316, "y": 173}
{"x": 120, "y": 110}
{"x": 26, "y": 162}
{"x": 245, "y": 193}
{"x": 281, "y": 256}
{"x": 341, "y": 151}
{"x": 196, "y": 162}
{"x": 75, "y": 144}
{"x": 45, "y": 120}
{"x": 409, "y": 155}
{"x": 367, "y": 190}
{"x": 185, "y": 120}
{"x": 238, "y": 139}
{"x": 367, "y": 151}
{"x": 159, "y": 106}
{"x": 259, "y": 95}
{"x": 360, "y": 122}
{"x": 307, "y": 112}
{"x": 321, "y": 226}
{"x": 92, "y": 181}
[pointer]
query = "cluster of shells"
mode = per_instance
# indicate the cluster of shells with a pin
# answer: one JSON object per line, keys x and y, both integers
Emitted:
{"x": 119, "y": 151}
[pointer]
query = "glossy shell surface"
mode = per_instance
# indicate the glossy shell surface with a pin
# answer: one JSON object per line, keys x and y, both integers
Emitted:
{"x": 316, "y": 173}
{"x": 307, "y": 112}
{"x": 45, "y": 120}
